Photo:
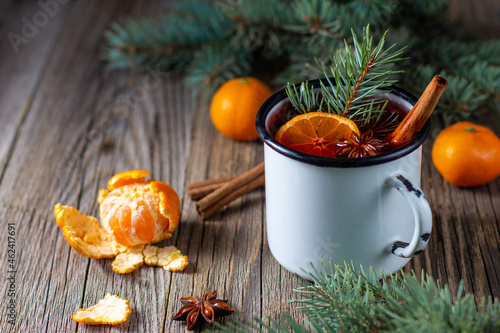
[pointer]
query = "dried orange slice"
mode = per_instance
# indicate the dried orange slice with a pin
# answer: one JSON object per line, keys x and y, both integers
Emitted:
{"x": 138, "y": 211}
{"x": 111, "y": 310}
{"x": 316, "y": 133}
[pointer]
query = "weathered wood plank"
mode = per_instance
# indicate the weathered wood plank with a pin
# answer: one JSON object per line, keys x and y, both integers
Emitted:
{"x": 29, "y": 33}
{"x": 84, "y": 125}
{"x": 477, "y": 16}
{"x": 225, "y": 249}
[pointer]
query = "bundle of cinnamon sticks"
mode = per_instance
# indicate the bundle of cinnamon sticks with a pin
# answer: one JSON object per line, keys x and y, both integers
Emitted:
{"x": 213, "y": 194}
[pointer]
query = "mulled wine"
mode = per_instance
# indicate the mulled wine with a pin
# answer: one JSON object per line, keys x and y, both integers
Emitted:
{"x": 369, "y": 141}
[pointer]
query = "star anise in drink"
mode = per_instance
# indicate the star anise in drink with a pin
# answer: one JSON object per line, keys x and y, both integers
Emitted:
{"x": 360, "y": 146}
{"x": 196, "y": 311}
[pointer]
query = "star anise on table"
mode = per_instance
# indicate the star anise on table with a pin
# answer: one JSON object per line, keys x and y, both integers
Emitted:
{"x": 195, "y": 310}
{"x": 360, "y": 146}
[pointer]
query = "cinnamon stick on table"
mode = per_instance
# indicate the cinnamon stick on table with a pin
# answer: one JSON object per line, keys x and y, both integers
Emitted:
{"x": 200, "y": 189}
{"x": 419, "y": 114}
{"x": 233, "y": 195}
{"x": 230, "y": 189}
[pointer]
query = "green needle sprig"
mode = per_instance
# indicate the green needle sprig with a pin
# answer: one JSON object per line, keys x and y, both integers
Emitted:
{"x": 346, "y": 298}
{"x": 355, "y": 79}
{"x": 285, "y": 40}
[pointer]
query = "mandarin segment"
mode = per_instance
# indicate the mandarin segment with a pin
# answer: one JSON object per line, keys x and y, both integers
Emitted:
{"x": 111, "y": 310}
{"x": 316, "y": 133}
{"x": 84, "y": 233}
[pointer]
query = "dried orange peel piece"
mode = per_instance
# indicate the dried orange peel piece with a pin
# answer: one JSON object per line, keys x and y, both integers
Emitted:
{"x": 111, "y": 310}
{"x": 128, "y": 261}
{"x": 85, "y": 235}
{"x": 170, "y": 258}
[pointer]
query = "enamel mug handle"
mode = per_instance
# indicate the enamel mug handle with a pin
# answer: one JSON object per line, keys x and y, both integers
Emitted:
{"x": 421, "y": 212}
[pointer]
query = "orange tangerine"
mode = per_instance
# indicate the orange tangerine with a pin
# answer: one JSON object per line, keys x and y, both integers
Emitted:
{"x": 138, "y": 211}
{"x": 235, "y": 105}
{"x": 467, "y": 154}
{"x": 316, "y": 133}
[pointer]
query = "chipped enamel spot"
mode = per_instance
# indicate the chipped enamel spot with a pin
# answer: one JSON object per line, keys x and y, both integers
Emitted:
{"x": 409, "y": 186}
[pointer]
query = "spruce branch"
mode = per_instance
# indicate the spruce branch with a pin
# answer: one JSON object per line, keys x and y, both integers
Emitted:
{"x": 167, "y": 43}
{"x": 217, "y": 63}
{"x": 316, "y": 17}
{"x": 358, "y": 75}
{"x": 347, "y": 298}
{"x": 304, "y": 99}
{"x": 293, "y": 41}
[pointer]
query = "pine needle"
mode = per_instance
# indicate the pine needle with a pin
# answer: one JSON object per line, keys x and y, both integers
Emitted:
{"x": 293, "y": 40}
{"x": 353, "y": 82}
{"x": 346, "y": 298}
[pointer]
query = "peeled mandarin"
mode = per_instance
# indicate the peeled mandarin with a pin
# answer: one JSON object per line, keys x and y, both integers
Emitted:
{"x": 138, "y": 211}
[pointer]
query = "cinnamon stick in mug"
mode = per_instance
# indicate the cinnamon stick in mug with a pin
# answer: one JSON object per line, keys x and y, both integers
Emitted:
{"x": 419, "y": 114}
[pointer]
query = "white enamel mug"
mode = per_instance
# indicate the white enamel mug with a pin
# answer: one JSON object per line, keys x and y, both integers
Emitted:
{"x": 369, "y": 211}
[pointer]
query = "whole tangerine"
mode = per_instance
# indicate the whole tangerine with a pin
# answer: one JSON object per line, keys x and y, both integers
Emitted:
{"x": 467, "y": 154}
{"x": 234, "y": 107}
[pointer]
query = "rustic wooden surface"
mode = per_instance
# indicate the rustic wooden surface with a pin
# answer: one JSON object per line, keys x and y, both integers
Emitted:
{"x": 67, "y": 125}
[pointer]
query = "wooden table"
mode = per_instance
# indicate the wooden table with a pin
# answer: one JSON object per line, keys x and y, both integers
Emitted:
{"x": 67, "y": 125}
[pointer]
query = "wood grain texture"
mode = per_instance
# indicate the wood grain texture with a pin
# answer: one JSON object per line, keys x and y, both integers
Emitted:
{"x": 84, "y": 125}
{"x": 67, "y": 125}
{"x": 25, "y": 52}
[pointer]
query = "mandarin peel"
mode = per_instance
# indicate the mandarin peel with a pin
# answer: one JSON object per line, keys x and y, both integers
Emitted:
{"x": 168, "y": 208}
{"x": 111, "y": 310}
{"x": 170, "y": 258}
{"x": 127, "y": 177}
{"x": 84, "y": 234}
{"x": 128, "y": 261}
